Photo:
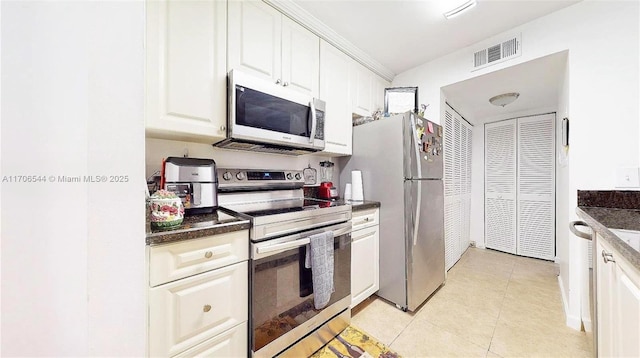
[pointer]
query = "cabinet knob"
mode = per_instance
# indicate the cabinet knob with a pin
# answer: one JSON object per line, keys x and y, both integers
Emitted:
{"x": 366, "y": 219}
{"x": 223, "y": 128}
{"x": 278, "y": 81}
{"x": 208, "y": 254}
{"x": 607, "y": 257}
{"x": 285, "y": 84}
{"x": 206, "y": 308}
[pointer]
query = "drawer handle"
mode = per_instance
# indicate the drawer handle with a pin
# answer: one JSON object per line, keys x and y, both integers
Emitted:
{"x": 607, "y": 257}
{"x": 208, "y": 254}
{"x": 366, "y": 219}
{"x": 206, "y": 308}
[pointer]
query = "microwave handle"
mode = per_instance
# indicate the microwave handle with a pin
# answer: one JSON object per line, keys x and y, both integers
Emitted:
{"x": 314, "y": 120}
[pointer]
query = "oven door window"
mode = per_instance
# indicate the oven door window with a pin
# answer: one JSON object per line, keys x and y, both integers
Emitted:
{"x": 282, "y": 290}
{"x": 260, "y": 110}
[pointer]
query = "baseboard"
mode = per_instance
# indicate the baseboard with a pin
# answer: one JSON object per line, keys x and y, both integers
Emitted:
{"x": 571, "y": 321}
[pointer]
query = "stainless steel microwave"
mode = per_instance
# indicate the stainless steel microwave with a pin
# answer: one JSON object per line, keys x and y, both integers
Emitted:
{"x": 267, "y": 117}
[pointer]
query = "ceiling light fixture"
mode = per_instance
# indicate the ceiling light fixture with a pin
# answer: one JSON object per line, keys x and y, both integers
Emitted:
{"x": 504, "y": 99}
{"x": 460, "y": 9}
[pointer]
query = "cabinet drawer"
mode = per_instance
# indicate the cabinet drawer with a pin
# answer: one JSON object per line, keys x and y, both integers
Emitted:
{"x": 232, "y": 343}
{"x": 365, "y": 218}
{"x": 190, "y": 311}
{"x": 171, "y": 262}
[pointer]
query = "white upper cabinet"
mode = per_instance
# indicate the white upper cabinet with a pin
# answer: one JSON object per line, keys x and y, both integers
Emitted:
{"x": 367, "y": 90}
{"x": 377, "y": 96}
{"x": 186, "y": 70}
{"x": 334, "y": 90}
{"x": 300, "y": 58}
{"x": 361, "y": 84}
{"x": 267, "y": 44}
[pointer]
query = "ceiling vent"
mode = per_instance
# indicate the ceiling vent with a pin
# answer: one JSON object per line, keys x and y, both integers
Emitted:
{"x": 497, "y": 53}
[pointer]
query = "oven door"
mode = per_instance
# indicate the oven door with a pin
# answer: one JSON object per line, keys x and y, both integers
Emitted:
{"x": 263, "y": 112}
{"x": 282, "y": 307}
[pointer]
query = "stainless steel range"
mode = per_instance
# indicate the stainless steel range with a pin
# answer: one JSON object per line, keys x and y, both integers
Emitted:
{"x": 284, "y": 321}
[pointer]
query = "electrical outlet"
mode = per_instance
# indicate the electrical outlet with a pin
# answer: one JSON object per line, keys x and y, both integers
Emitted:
{"x": 627, "y": 178}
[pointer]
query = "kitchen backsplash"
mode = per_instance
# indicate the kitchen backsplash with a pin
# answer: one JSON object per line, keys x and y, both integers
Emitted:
{"x": 157, "y": 149}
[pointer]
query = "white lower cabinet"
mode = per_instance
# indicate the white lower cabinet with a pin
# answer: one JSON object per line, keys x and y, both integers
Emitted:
{"x": 618, "y": 303}
{"x": 199, "y": 297}
{"x": 365, "y": 278}
{"x": 232, "y": 343}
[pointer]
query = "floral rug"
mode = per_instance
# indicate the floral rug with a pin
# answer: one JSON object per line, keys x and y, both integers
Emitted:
{"x": 353, "y": 343}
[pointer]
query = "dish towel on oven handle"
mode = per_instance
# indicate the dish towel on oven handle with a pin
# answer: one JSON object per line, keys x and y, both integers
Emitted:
{"x": 319, "y": 259}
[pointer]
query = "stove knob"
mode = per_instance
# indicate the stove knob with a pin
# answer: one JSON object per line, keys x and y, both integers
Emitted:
{"x": 226, "y": 176}
{"x": 240, "y": 176}
{"x": 298, "y": 176}
{"x": 289, "y": 176}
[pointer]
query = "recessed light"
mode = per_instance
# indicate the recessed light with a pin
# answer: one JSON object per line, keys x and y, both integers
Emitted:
{"x": 460, "y": 9}
{"x": 504, "y": 99}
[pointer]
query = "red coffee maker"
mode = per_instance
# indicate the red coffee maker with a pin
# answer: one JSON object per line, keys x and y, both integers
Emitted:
{"x": 327, "y": 190}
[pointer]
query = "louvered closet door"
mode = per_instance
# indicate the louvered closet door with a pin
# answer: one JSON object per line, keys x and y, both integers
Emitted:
{"x": 500, "y": 185}
{"x": 457, "y": 184}
{"x": 536, "y": 187}
{"x": 465, "y": 235}
{"x": 451, "y": 217}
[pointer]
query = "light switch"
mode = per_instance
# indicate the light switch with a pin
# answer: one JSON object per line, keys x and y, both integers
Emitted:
{"x": 628, "y": 178}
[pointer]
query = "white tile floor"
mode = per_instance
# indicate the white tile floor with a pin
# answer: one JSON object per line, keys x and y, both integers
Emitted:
{"x": 492, "y": 305}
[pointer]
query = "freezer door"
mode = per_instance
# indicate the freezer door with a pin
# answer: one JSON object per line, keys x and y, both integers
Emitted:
{"x": 425, "y": 239}
{"x": 422, "y": 148}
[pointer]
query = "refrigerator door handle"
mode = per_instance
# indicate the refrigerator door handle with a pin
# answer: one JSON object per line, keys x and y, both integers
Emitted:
{"x": 416, "y": 222}
{"x": 416, "y": 146}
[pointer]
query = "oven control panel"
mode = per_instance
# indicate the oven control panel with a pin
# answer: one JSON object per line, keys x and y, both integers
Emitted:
{"x": 231, "y": 177}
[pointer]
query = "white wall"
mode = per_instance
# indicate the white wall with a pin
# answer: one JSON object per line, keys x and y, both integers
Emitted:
{"x": 602, "y": 39}
{"x": 157, "y": 149}
{"x": 72, "y": 253}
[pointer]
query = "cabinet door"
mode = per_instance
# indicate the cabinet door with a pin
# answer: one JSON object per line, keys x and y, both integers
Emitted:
{"x": 254, "y": 41}
{"x": 186, "y": 70}
{"x": 364, "y": 264}
{"x": 605, "y": 288}
{"x": 334, "y": 90}
{"x": 187, "y": 312}
{"x": 627, "y": 315}
{"x": 361, "y": 83}
{"x": 300, "y": 58}
{"x": 377, "y": 93}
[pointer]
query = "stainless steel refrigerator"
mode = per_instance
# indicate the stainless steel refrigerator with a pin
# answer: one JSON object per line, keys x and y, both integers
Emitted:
{"x": 401, "y": 162}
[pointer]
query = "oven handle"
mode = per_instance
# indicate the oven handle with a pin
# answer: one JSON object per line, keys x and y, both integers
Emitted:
{"x": 283, "y": 246}
{"x": 301, "y": 241}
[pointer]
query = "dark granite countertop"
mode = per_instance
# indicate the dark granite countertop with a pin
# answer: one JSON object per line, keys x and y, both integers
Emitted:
{"x": 607, "y": 210}
{"x": 363, "y": 205}
{"x": 197, "y": 226}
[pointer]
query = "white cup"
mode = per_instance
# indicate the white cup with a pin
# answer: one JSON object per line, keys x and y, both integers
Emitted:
{"x": 356, "y": 189}
{"x": 347, "y": 191}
